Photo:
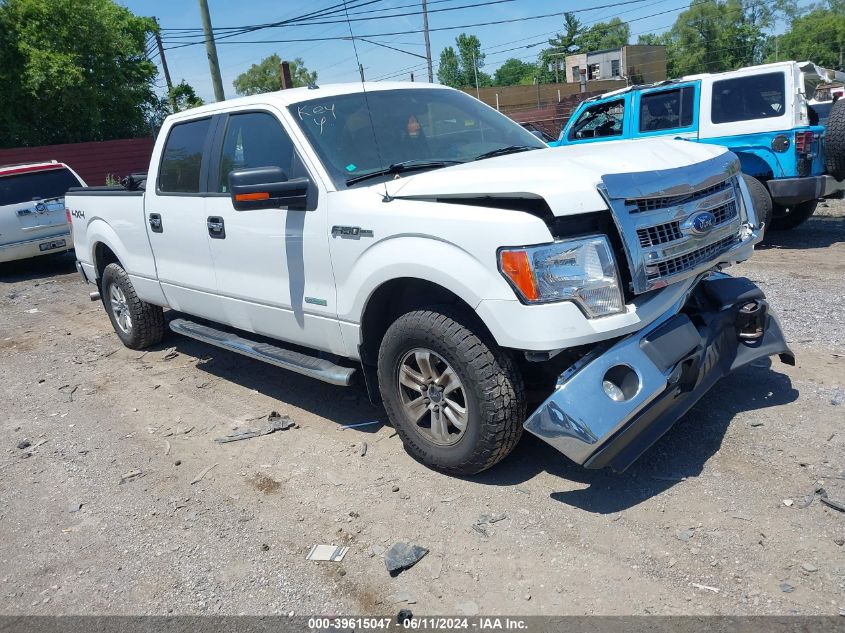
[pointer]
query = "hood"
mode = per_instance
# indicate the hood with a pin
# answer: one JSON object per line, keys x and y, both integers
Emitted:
{"x": 565, "y": 177}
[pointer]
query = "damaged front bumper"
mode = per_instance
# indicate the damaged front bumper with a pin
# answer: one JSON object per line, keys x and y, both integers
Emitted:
{"x": 612, "y": 405}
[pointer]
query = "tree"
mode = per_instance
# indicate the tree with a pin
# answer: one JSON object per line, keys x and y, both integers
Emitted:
{"x": 264, "y": 76}
{"x": 514, "y": 72}
{"x": 461, "y": 66}
{"x": 73, "y": 70}
{"x": 183, "y": 96}
{"x": 818, "y": 36}
{"x": 562, "y": 44}
{"x": 603, "y": 35}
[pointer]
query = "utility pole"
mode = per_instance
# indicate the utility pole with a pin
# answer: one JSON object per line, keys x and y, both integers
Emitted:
{"x": 211, "y": 51}
{"x": 164, "y": 67}
{"x": 427, "y": 42}
{"x": 285, "y": 80}
{"x": 475, "y": 70}
{"x": 361, "y": 70}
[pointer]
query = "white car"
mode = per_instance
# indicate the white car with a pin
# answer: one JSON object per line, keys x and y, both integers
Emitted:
{"x": 33, "y": 220}
{"x": 415, "y": 238}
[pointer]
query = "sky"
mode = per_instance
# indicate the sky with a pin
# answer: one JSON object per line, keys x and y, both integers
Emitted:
{"x": 334, "y": 60}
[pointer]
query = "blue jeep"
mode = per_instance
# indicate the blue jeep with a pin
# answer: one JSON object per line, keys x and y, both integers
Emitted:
{"x": 761, "y": 113}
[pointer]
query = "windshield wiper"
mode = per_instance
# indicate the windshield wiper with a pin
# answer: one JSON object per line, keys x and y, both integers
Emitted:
{"x": 405, "y": 165}
{"x": 510, "y": 149}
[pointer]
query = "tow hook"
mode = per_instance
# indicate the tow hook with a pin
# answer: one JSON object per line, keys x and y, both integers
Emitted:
{"x": 751, "y": 321}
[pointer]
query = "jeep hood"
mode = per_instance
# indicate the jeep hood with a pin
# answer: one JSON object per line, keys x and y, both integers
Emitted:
{"x": 565, "y": 177}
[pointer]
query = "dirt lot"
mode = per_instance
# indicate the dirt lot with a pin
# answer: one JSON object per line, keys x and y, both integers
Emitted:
{"x": 712, "y": 520}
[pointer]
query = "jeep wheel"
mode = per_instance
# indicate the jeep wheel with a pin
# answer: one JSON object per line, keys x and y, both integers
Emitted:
{"x": 761, "y": 200}
{"x": 456, "y": 400}
{"x": 788, "y": 218}
{"x": 834, "y": 142}
{"x": 137, "y": 323}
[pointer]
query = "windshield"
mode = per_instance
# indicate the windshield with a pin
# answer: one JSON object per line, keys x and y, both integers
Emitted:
{"x": 50, "y": 183}
{"x": 427, "y": 125}
{"x": 603, "y": 119}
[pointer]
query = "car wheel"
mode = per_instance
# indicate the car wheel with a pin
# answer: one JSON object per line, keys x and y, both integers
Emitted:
{"x": 834, "y": 142}
{"x": 456, "y": 400}
{"x": 761, "y": 199}
{"x": 137, "y": 323}
{"x": 788, "y": 218}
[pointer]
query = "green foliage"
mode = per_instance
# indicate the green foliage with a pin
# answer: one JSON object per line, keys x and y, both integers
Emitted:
{"x": 458, "y": 69}
{"x": 264, "y": 76}
{"x": 73, "y": 70}
{"x": 514, "y": 72}
{"x": 603, "y": 35}
{"x": 183, "y": 96}
{"x": 818, "y": 36}
{"x": 575, "y": 38}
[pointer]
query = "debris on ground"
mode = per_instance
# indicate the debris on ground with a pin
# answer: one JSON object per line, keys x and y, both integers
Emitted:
{"x": 685, "y": 535}
{"x": 403, "y": 596}
{"x": 836, "y": 505}
{"x": 24, "y": 444}
{"x": 275, "y": 422}
{"x": 132, "y": 475}
{"x": 363, "y": 450}
{"x": 202, "y": 474}
{"x": 403, "y": 616}
{"x": 359, "y": 424}
{"x": 705, "y": 587}
{"x": 170, "y": 355}
{"x": 166, "y": 447}
{"x": 401, "y": 556}
{"x": 809, "y": 568}
{"x": 786, "y": 587}
{"x": 788, "y": 502}
{"x": 333, "y": 553}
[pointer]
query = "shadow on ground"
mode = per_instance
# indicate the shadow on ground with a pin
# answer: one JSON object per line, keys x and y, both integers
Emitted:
{"x": 37, "y": 268}
{"x": 681, "y": 453}
{"x": 817, "y": 232}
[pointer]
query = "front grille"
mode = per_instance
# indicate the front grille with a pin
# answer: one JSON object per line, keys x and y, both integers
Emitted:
{"x": 688, "y": 261}
{"x": 671, "y": 231}
{"x": 644, "y": 205}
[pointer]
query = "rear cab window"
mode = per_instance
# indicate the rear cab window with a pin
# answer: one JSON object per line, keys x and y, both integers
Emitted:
{"x": 602, "y": 120}
{"x": 182, "y": 160}
{"x": 664, "y": 110}
{"x": 36, "y": 185}
{"x": 748, "y": 98}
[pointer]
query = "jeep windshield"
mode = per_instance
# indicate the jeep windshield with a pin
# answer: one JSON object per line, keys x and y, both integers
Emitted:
{"x": 404, "y": 131}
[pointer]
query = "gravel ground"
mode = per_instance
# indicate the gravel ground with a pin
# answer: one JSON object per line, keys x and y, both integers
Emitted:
{"x": 719, "y": 517}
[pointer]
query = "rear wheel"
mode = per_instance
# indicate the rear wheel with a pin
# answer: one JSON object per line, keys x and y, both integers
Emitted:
{"x": 761, "y": 200}
{"x": 456, "y": 400}
{"x": 137, "y": 323}
{"x": 788, "y": 218}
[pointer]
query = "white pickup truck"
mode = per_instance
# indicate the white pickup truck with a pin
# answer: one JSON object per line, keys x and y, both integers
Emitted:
{"x": 412, "y": 238}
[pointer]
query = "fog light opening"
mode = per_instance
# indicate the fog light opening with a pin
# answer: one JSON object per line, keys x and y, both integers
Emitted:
{"x": 620, "y": 383}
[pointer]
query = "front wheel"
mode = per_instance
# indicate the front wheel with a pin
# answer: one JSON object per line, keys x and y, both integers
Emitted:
{"x": 788, "y": 218}
{"x": 137, "y": 323}
{"x": 761, "y": 200}
{"x": 456, "y": 400}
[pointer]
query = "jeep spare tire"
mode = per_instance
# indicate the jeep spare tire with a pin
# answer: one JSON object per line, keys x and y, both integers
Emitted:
{"x": 835, "y": 141}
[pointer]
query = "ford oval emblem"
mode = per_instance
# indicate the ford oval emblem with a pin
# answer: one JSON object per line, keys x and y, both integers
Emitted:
{"x": 701, "y": 223}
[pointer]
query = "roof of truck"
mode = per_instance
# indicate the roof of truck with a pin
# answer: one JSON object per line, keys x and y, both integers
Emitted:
{"x": 289, "y": 97}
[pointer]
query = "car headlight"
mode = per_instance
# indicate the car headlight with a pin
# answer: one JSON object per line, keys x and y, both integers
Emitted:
{"x": 581, "y": 270}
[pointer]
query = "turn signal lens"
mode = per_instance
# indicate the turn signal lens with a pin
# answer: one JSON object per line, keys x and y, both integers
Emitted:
{"x": 517, "y": 267}
{"x": 246, "y": 197}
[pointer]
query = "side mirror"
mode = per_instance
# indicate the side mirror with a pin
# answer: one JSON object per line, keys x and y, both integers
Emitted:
{"x": 267, "y": 188}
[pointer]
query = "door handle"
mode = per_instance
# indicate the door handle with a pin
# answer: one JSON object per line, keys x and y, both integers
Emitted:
{"x": 155, "y": 223}
{"x": 216, "y": 227}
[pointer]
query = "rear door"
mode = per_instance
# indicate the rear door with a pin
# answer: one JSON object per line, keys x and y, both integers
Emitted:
{"x": 666, "y": 111}
{"x": 176, "y": 218}
{"x": 32, "y": 205}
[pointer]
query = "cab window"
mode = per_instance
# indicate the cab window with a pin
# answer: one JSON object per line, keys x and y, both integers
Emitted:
{"x": 255, "y": 139}
{"x": 181, "y": 163}
{"x": 749, "y": 97}
{"x": 667, "y": 109}
{"x": 599, "y": 121}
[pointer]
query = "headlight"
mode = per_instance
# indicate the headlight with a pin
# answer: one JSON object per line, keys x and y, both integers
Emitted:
{"x": 580, "y": 270}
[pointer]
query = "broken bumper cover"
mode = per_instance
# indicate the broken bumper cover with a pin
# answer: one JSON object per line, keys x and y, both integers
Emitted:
{"x": 611, "y": 406}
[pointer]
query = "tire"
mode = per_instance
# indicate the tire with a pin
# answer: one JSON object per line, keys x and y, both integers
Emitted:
{"x": 761, "y": 199}
{"x": 491, "y": 391}
{"x": 145, "y": 323}
{"x": 834, "y": 143}
{"x": 788, "y": 218}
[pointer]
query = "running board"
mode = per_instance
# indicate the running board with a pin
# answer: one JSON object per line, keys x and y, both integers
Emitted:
{"x": 309, "y": 366}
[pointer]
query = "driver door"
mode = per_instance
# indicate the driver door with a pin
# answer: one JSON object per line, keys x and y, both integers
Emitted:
{"x": 273, "y": 271}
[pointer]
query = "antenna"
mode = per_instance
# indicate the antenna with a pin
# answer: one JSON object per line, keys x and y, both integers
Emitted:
{"x": 387, "y": 197}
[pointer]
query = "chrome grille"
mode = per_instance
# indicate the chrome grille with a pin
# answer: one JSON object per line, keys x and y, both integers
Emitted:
{"x": 671, "y": 231}
{"x": 644, "y": 205}
{"x": 676, "y": 223}
{"x": 685, "y": 262}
